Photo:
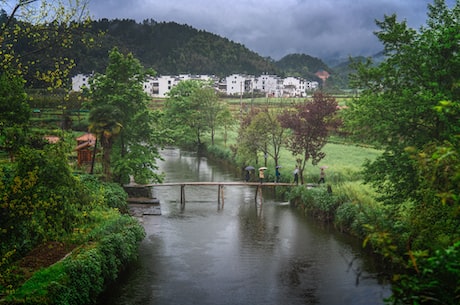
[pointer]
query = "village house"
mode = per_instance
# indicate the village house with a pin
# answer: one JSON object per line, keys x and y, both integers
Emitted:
{"x": 294, "y": 87}
{"x": 232, "y": 85}
{"x": 85, "y": 148}
{"x": 79, "y": 81}
{"x": 271, "y": 85}
{"x": 239, "y": 84}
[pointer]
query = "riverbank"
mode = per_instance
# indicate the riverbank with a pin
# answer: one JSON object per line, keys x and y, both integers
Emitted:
{"x": 343, "y": 201}
{"x": 74, "y": 267}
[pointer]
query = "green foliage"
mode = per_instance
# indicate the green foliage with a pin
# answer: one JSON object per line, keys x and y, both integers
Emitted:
{"x": 397, "y": 104}
{"x": 34, "y": 38}
{"x": 120, "y": 117}
{"x": 431, "y": 279}
{"x": 112, "y": 195}
{"x": 14, "y": 113}
{"x": 262, "y": 133}
{"x": 82, "y": 276}
{"x": 14, "y": 109}
{"x": 192, "y": 110}
{"x": 412, "y": 111}
{"x": 38, "y": 199}
{"x": 318, "y": 201}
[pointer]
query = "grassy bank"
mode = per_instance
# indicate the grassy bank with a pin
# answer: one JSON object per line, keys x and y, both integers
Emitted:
{"x": 351, "y": 206}
{"x": 76, "y": 266}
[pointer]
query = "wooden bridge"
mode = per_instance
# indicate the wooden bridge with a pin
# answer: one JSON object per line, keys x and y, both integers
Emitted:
{"x": 220, "y": 187}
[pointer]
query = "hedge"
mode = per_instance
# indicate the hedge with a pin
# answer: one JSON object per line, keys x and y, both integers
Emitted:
{"x": 83, "y": 275}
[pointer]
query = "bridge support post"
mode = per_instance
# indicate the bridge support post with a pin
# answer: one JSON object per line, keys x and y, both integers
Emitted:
{"x": 182, "y": 196}
{"x": 220, "y": 196}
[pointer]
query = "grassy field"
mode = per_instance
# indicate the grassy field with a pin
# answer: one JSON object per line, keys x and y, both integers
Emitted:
{"x": 344, "y": 161}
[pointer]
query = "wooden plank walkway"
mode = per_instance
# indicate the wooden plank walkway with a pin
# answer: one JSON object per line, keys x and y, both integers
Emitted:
{"x": 220, "y": 187}
{"x": 204, "y": 183}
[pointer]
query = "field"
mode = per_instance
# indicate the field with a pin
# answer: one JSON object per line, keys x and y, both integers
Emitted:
{"x": 344, "y": 161}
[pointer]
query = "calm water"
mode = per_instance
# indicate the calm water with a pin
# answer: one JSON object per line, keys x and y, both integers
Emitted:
{"x": 245, "y": 253}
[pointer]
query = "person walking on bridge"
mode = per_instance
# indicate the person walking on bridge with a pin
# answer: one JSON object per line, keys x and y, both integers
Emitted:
{"x": 261, "y": 174}
{"x": 296, "y": 175}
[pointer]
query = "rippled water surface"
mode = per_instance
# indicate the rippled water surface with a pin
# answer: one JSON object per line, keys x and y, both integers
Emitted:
{"x": 243, "y": 253}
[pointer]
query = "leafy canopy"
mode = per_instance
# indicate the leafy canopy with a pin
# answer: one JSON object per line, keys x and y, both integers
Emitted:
{"x": 124, "y": 124}
{"x": 310, "y": 123}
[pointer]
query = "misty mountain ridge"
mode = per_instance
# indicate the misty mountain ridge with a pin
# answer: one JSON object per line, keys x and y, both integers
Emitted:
{"x": 172, "y": 49}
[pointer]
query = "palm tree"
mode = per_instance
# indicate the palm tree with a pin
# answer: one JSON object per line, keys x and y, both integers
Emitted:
{"x": 105, "y": 124}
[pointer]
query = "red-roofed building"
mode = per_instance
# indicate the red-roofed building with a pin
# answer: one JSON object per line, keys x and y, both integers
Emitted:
{"x": 85, "y": 147}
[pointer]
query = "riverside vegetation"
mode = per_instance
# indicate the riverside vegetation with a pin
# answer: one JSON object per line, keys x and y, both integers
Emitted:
{"x": 401, "y": 197}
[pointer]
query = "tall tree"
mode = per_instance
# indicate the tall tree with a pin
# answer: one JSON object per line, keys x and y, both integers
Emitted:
{"x": 31, "y": 33}
{"x": 397, "y": 100}
{"x": 191, "y": 110}
{"x": 120, "y": 115}
{"x": 14, "y": 113}
{"x": 263, "y": 134}
{"x": 210, "y": 107}
{"x": 309, "y": 123}
{"x": 409, "y": 104}
{"x": 226, "y": 120}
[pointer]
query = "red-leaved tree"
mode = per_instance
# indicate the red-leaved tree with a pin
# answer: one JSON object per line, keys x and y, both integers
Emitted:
{"x": 310, "y": 123}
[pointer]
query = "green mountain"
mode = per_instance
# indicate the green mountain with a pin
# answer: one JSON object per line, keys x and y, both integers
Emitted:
{"x": 302, "y": 65}
{"x": 171, "y": 48}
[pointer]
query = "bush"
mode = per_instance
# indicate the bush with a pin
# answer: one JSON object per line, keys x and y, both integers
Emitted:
{"x": 430, "y": 279}
{"x": 112, "y": 194}
{"x": 318, "y": 202}
{"x": 41, "y": 200}
{"x": 82, "y": 276}
{"x": 346, "y": 216}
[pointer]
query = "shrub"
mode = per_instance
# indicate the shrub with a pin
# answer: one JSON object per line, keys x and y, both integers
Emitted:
{"x": 346, "y": 215}
{"x": 112, "y": 194}
{"x": 82, "y": 276}
{"x": 317, "y": 201}
{"x": 430, "y": 279}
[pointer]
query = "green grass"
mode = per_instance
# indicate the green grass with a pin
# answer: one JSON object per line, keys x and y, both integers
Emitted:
{"x": 344, "y": 161}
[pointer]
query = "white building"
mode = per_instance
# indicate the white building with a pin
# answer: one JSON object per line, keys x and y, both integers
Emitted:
{"x": 79, "y": 81}
{"x": 294, "y": 87}
{"x": 238, "y": 84}
{"x": 271, "y": 85}
{"x": 235, "y": 84}
{"x": 311, "y": 85}
{"x": 160, "y": 86}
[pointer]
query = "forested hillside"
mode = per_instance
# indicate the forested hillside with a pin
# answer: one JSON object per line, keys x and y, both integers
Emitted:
{"x": 171, "y": 48}
{"x": 168, "y": 48}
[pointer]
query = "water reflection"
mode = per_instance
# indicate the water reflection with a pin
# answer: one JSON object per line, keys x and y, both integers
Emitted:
{"x": 246, "y": 253}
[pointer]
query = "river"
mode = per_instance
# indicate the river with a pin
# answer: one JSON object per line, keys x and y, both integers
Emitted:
{"x": 243, "y": 253}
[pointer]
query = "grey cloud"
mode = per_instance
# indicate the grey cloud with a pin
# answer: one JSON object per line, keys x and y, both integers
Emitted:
{"x": 276, "y": 28}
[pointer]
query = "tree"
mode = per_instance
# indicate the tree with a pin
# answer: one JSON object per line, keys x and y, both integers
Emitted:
{"x": 104, "y": 122}
{"x": 14, "y": 113}
{"x": 191, "y": 110}
{"x": 32, "y": 32}
{"x": 264, "y": 133}
{"x": 227, "y": 121}
{"x": 247, "y": 146}
{"x": 396, "y": 106}
{"x": 408, "y": 104}
{"x": 309, "y": 123}
{"x": 210, "y": 107}
{"x": 120, "y": 116}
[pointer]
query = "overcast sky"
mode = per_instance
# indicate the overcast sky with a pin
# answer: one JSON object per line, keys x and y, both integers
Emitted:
{"x": 275, "y": 28}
